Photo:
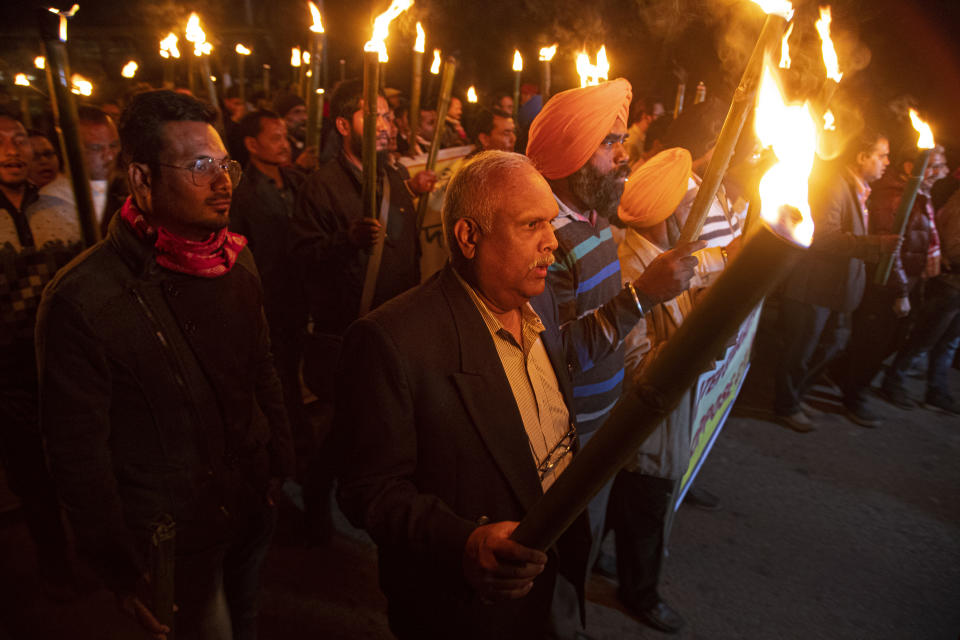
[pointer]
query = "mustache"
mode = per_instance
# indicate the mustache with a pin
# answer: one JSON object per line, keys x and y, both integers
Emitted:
{"x": 622, "y": 171}
{"x": 544, "y": 261}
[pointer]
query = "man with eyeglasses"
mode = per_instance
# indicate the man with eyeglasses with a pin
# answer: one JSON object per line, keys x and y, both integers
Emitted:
{"x": 577, "y": 143}
{"x": 101, "y": 144}
{"x": 455, "y": 405}
{"x": 158, "y": 392}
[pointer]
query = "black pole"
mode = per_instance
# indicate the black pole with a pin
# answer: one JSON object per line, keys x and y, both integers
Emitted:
{"x": 66, "y": 120}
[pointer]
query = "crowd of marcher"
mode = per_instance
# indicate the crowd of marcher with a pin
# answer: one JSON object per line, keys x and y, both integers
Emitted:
{"x": 164, "y": 372}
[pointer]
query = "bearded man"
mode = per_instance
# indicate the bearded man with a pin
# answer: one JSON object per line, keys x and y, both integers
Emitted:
{"x": 577, "y": 143}
{"x": 332, "y": 237}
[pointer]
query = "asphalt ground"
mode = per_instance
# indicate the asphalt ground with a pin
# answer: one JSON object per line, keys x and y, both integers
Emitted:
{"x": 845, "y": 532}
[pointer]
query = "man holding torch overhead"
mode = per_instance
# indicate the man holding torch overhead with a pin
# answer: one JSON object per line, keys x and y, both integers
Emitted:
{"x": 577, "y": 144}
{"x": 457, "y": 406}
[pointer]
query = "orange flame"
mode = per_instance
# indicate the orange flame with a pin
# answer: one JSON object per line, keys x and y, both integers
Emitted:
{"x": 547, "y": 53}
{"x": 592, "y": 74}
{"x": 830, "y": 60}
{"x": 129, "y": 70}
{"x": 168, "y": 46}
{"x": 829, "y": 121}
{"x": 435, "y": 67}
{"x": 242, "y": 50}
{"x": 926, "y": 140}
{"x": 517, "y": 60}
{"x": 21, "y": 80}
{"x": 785, "y": 60}
{"x": 194, "y": 33}
{"x": 317, "y": 26}
{"x": 40, "y": 62}
{"x": 295, "y": 57}
{"x": 792, "y": 133}
{"x": 421, "y": 44}
{"x": 472, "y": 95}
{"x": 81, "y": 86}
{"x": 381, "y": 28}
{"x": 64, "y": 16}
{"x": 782, "y": 8}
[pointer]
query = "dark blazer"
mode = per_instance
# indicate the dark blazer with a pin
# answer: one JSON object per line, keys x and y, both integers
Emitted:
{"x": 157, "y": 396}
{"x": 831, "y": 274}
{"x": 436, "y": 443}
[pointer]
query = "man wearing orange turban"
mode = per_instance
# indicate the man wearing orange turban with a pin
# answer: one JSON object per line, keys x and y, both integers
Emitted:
{"x": 644, "y": 490}
{"x": 576, "y": 142}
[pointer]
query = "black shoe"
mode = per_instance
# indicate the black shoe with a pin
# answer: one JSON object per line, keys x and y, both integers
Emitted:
{"x": 944, "y": 402}
{"x": 859, "y": 414}
{"x": 702, "y": 499}
{"x": 897, "y": 396}
{"x": 798, "y": 421}
{"x": 662, "y": 617}
{"x": 606, "y": 565}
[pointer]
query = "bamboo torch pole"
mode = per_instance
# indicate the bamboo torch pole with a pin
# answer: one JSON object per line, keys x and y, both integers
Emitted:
{"x": 53, "y": 31}
{"x": 419, "y": 48}
{"x": 764, "y": 260}
{"x": 517, "y": 74}
{"x": 743, "y": 99}
{"x": 443, "y": 104}
{"x": 314, "y": 96}
{"x": 926, "y": 144}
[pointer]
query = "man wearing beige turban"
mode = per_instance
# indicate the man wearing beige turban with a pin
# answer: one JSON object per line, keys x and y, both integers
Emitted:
{"x": 576, "y": 142}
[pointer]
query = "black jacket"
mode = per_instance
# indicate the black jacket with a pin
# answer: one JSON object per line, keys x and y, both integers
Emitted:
{"x": 333, "y": 268}
{"x": 435, "y": 443}
{"x": 831, "y": 273}
{"x": 264, "y": 214}
{"x": 157, "y": 396}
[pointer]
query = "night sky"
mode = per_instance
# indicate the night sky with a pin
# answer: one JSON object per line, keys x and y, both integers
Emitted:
{"x": 899, "y": 48}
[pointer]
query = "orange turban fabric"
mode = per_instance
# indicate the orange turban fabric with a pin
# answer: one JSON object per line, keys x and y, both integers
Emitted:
{"x": 571, "y": 126}
{"x": 655, "y": 188}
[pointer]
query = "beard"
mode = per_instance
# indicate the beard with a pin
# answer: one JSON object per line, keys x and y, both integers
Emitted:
{"x": 356, "y": 143}
{"x": 599, "y": 191}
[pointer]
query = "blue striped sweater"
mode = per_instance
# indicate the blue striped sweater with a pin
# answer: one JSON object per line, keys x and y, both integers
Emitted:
{"x": 595, "y": 313}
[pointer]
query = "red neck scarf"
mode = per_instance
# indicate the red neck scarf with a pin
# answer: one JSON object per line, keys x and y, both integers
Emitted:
{"x": 208, "y": 258}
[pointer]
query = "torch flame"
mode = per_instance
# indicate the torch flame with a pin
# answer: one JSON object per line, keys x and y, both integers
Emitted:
{"x": 317, "y": 26}
{"x": 792, "y": 133}
{"x": 592, "y": 74}
{"x": 829, "y": 121}
{"x": 381, "y": 28}
{"x": 517, "y": 60}
{"x": 926, "y": 134}
{"x": 547, "y": 53}
{"x": 64, "y": 16}
{"x": 21, "y": 80}
{"x": 830, "y": 60}
{"x": 40, "y": 62}
{"x": 782, "y": 8}
{"x": 295, "y": 57}
{"x": 242, "y": 50}
{"x": 168, "y": 46}
{"x": 421, "y": 44}
{"x": 785, "y": 60}
{"x": 435, "y": 67}
{"x": 129, "y": 70}
{"x": 603, "y": 67}
{"x": 305, "y": 59}
{"x": 81, "y": 86}
{"x": 194, "y": 33}
{"x": 472, "y": 95}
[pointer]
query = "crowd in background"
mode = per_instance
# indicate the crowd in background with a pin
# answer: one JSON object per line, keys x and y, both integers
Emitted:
{"x": 619, "y": 283}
